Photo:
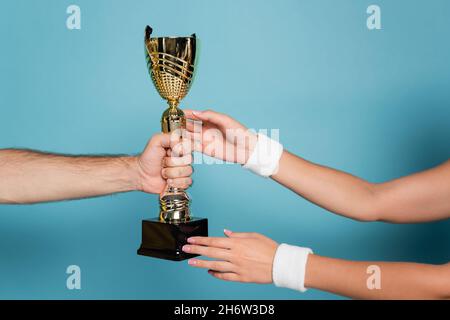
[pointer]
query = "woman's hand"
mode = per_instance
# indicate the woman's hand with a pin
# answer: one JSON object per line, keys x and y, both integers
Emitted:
{"x": 242, "y": 257}
{"x": 220, "y": 136}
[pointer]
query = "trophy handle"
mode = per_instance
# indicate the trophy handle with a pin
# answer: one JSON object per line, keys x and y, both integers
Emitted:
{"x": 148, "y": 32}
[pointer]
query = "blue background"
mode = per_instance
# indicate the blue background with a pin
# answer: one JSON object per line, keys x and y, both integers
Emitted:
{"x": 373, "y": 103}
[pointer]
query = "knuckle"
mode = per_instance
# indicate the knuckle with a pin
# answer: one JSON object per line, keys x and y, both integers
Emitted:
{"x": 167, "y": 172}
{"x": 179, "y": 182}
{"x": 197, "y": 249}
{"x": 215, "y": 265}
{"x": 175, "y": 150}
{"x": 155, "y": 139}
{"x": 208, "y": 251}
{"x": 166, "y": 161}
{"x": 200, "y": 263}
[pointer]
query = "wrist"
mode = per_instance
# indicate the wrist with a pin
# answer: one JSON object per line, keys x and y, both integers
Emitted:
{"x": 252, "y": 139}
{"x": 309, "y": 268}
{"x": 289, "y": 267}
{"x": 132, "y": 173}
{"x": 265, "y": 155}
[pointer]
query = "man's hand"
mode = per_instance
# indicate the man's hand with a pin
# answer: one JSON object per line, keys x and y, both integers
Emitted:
{"x": 166, "y": 158}
{"x": 243, "y": 257}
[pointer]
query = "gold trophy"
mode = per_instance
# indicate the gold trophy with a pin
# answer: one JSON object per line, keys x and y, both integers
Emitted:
{"x": 171, "y": 64}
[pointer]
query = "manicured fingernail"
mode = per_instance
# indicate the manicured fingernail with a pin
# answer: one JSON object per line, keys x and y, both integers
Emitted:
{"x": 192, "y": 262}
{"x": 227, "y": 232}
{"x": 191, "y": 240}
{"x": 186, "y": 248}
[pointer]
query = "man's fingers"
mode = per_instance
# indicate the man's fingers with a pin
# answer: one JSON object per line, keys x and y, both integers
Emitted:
{"x": 222, "y": 266}
{"x": 223, "y": 243}
{"x": 174, "y": 143}
{"x": 161, "y": 140}
{"x": 194, "y": 136}
{"x": 196, "y": 140}
{"x": 176, "y": 172}
{"x": 178, "y": 161}
{"x": 182, "y": 183}
{"x": 181, "y": 148}
{"x": 215, "y": 253}
{"x": 227, "y": 276}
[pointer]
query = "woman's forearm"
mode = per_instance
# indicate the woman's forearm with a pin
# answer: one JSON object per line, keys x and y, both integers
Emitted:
{"x": 396, "y": 280}
{"x": 418, "y": 197}
{"x": 29, "y": 177}
{"x": 331, "y": 189}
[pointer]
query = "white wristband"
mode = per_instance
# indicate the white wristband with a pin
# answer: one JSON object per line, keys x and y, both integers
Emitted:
{"x": 289, "y": 267}
{"x": 265, "y": 156}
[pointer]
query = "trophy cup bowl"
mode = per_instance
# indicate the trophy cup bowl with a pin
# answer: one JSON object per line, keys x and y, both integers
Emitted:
{"x": 171, "y": 64}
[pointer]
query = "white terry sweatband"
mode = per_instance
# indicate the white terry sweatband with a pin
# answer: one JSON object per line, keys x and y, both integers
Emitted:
{"x": 265, "y": 156}
{"x": 289, "y": 267}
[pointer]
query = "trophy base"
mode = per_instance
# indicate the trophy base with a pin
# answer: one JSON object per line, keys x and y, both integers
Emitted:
{"x": 164, "y": 240}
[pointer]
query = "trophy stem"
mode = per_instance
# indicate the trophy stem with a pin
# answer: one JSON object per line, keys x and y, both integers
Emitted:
{"x": 174, "y": 203}
{"x": 173, "y": 104}
{"x": 173, "y": 118}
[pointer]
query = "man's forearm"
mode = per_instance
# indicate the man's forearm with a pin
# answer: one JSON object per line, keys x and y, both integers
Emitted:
{"x": 397, "y": 280}
{"x": 29, "y": 176}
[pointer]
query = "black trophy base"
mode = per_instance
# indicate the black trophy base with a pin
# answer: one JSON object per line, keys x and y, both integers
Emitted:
{"x": 164, "y": 240}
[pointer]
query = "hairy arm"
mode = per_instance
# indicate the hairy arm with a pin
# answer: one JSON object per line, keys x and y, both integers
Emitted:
{"x": 424, "y": 196}
{"x": 398, "y": 280}
{"x": 30, "y": 176}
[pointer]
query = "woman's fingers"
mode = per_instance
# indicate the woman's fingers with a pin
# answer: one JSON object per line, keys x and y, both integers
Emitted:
{"x": 176, "y": 172}
{"x": 193, "y": 125}
{"x": 222, "y": 266}
{"x": 227, "y": 276}
{"x": 209, "y": 116}
{"x": 189, "y": 114}
{"x": 194, "y": 136}
{"x": 210, "y": 252}
{"x": 216, "y": 242}
{"x": 232, "y": 234}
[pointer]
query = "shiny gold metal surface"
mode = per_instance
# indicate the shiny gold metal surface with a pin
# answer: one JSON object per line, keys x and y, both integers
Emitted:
{"x": 171, "y": 64}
